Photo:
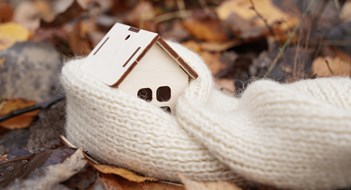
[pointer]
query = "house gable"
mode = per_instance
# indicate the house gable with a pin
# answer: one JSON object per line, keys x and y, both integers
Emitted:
{"x": 116, "y": 53}
{"x": 156, "y": 69}
{"x": 122, "y": 48}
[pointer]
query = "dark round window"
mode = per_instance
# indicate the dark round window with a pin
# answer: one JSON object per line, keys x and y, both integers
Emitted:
{"x": 145, "y": 94}
{"x": 163, "y": 94}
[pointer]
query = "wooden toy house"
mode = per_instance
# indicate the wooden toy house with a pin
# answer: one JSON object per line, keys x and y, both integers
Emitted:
{"x": 141, "y": 64}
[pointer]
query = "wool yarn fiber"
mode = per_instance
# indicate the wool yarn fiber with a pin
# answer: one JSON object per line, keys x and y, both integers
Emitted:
{"x": 294, "y": 136}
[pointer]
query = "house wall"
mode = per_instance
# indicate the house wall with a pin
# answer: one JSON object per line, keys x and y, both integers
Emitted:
{"x": 156, "y": 69}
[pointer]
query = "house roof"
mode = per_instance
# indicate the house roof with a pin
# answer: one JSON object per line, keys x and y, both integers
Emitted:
{"x": 121, "y": 49}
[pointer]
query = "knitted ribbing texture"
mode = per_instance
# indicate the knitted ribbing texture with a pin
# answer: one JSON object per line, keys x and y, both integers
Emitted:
{"x": 295, "y": 136}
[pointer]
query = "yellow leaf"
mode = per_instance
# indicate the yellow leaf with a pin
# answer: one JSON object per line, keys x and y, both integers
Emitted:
{"x": 21, "y": 121}
{"x": 11, "y": 33}
{"x": 129, "y": 175}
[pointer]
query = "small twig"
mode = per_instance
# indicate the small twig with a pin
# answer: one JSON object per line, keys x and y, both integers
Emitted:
{"x": 262, "y": 18}
{"x": 171, "y": 15}
{"x": 39, "y": 106}
{"x": 281, "y": 52}
{"x": 286, "y": 44}
{"x": 17, "y": 159}
{"x": 329, "y": 68}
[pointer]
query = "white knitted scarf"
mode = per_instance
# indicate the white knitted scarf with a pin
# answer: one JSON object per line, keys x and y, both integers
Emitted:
{"x": 295, "y": 136}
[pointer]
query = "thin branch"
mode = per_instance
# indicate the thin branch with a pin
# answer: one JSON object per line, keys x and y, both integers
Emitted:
{"x": 39, "y": 106}
{"x": 262, "y": 18}
{"x": 286, "y": 44}
{"x": 281, "y": 52}
{"x": 170, "y": 16}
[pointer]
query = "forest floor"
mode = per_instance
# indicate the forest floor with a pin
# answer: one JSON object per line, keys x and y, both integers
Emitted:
{"x": 240, "y": 41}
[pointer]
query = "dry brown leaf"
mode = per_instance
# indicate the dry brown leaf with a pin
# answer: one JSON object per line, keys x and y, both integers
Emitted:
{"x": 21, "y": 121}
{"x": 245, "y": 21}
{"x": 112, "y": 182}
{"x": 205, "y": 29}
{"x": 220, "y": 185}
{"x": 6, "y": 12}
{"x": 129, "y": 175}
{"x": 331, "y": 66}
{"x": 192, "y": 45}
{"x": 212, "y": 59}
{"x": 10, "y": 33}
{"x": 79, "y": 39}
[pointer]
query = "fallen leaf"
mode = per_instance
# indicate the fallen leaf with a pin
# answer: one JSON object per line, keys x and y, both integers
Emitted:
{"x": 212, "y": 59}
{"x": 129, "y": 175}
{"x": 21, "y": 121}
{"x": 206, "y": 29}
{"x": 6, "y": 12}
{"x": 79, "y": 39}
{"x": 23, "y": 167}
{"x": 219, "y": 185}
{"x": 243, "y": 19}
{"x": 192, "y": 45}
{"x": 331, "y": 66}
{"x": 10, "y": 33}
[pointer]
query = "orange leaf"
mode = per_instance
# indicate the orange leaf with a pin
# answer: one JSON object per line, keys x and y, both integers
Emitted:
{"x": 208, "y": 30}
{"x": 21, "y": 121}
{"x": 6, "y": 12}
{"x": 129, "y": 175}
